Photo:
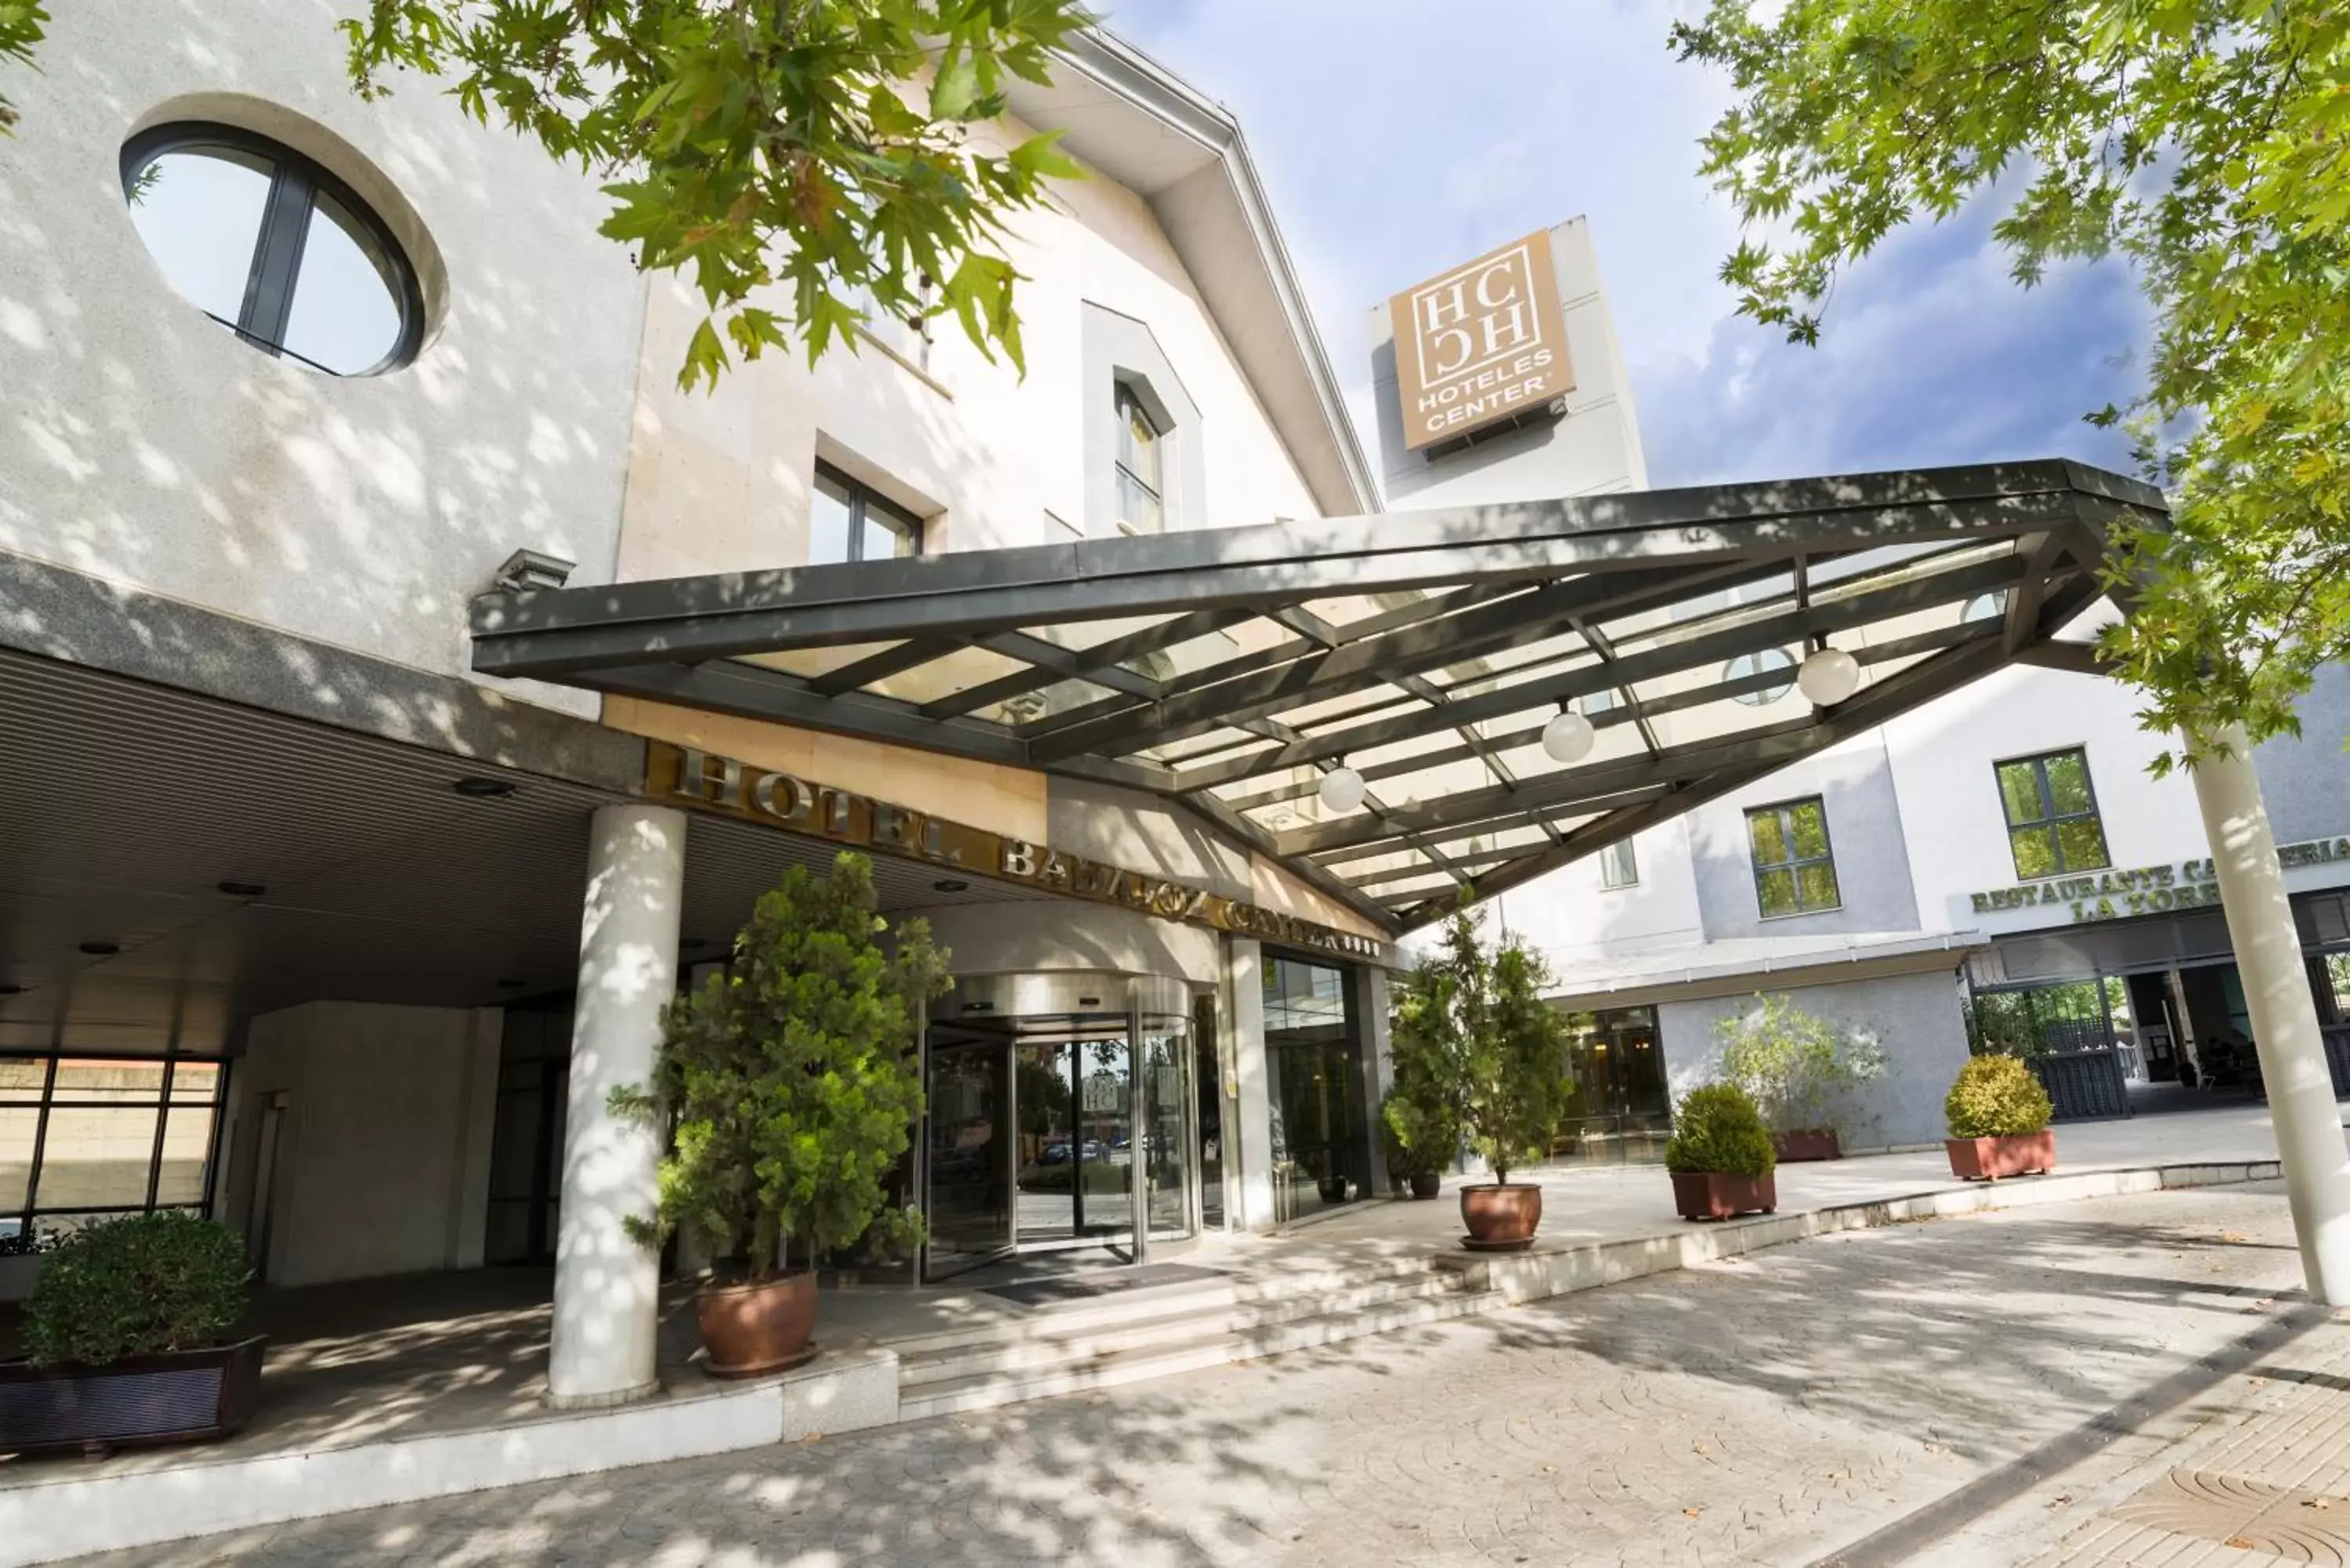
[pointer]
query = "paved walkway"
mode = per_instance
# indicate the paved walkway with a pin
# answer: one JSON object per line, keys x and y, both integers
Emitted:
{"x": 1767, "y": 1410}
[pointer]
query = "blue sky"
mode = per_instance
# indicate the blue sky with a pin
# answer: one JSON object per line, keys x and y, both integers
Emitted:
{"x": 1401, "y": 136}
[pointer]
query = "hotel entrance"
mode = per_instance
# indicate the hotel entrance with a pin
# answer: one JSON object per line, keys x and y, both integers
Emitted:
{"x": 1061, "y": 1116}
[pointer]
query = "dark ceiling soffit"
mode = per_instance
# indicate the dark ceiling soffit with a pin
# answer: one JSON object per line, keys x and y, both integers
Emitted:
{"x": 557, "y": 631}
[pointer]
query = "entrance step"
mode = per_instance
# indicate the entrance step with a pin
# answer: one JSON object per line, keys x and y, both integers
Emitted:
{"x": 966, "y": 1379}
{"x": 1131, "y": 1307}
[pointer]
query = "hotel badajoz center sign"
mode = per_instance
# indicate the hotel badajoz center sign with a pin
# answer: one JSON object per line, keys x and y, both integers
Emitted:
{"x": 690, "y": 777}
{"x": 1484, "y": 343}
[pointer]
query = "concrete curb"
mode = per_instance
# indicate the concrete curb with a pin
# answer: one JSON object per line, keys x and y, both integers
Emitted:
{"x": 1543, "y": 1273}
{"x": 69, "y": 1516}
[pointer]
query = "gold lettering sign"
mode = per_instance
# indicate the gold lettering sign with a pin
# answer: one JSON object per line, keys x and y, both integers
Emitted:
{"x": 685, "y": 776}
{"x": 1484, "y": 343}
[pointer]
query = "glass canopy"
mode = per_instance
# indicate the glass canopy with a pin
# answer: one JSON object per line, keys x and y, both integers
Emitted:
{"x": 1230, "y": 668}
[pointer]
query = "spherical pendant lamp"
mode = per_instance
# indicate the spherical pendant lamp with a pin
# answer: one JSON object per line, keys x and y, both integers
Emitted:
{"x": 1569, "y": 737}
{"x": 1342, "y": 789}
{"x": 1829, "y": 677}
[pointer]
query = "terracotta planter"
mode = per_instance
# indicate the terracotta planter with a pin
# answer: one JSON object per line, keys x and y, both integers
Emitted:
{"x": 763, "y": 1326}
{"x": 179, "y": 1396}
{"x": 1499, "y": 1218}
{"x": 1719, "y": 1195}
{"x": 1428, "y": 1185}
{"x": 1815, "y": 1143}
{"x": 2014, "y": 1154}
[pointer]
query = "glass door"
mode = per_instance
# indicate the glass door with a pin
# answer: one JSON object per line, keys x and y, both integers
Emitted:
{"x": 969, "y": 1156}
{"x": 1105, "y": 1096}
{"x": 1169, "y": 1170}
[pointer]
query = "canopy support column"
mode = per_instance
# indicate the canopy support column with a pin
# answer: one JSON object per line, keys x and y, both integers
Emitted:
{"x": 2284, "y": 1016}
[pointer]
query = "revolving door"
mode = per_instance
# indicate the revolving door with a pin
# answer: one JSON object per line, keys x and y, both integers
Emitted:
{"x": 1061, "y": 1115}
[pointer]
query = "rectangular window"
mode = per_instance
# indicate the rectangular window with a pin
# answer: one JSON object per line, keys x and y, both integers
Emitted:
{"x": 1619, "y": 865}
{"x": 1794, "y": 870}
{"x": 848, "y": 521}
{"x": 909, "y": 339}
{"x": 2051, "y": 815}
{"x": 1141, "y": 493}
{"x": 85, "y": 1137}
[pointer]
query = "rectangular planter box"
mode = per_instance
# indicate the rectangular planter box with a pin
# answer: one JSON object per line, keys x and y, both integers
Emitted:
{"x": 1989, "y": 1158}
{"x": 1815, "y": 1144}
{"x": 177, "y": 1397}
{"x": 1718, "y": 1195}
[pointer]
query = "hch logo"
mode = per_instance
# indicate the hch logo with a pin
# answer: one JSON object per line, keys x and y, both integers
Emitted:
{"x": 1482, "y": 343}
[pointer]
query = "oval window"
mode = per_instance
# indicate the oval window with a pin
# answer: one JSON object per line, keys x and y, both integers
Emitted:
{"x": 1764, "y": 662}
{"x": 274, "y": 247}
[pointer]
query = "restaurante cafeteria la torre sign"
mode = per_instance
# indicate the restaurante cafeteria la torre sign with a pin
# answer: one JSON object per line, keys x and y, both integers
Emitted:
{"x": 1484, "y": 343}
{"x": 2190, "y": 884}
{"x": 822, "y": 811}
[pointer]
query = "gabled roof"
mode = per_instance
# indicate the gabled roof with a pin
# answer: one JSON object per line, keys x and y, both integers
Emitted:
{"x": 1144, "y": 126}
{"x": 1231, "y": 667}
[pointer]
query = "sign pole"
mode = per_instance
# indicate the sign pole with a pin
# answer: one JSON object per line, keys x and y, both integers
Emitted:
{"x": 2285, "y": 1015}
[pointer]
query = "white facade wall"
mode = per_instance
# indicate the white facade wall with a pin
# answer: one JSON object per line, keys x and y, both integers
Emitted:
{"x": 383, "y": 1155}
{"x": 146, "y": 446}
{"x": 986, "y": 456}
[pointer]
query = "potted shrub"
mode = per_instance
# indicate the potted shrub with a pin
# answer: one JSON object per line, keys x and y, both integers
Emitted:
{"x": 127, "y": 1334}
{"x": 1998, "y": 1115}
{"x": 1485, "y": 1049}
{"x": 792, "y": 1086}
{"x": 1420, "y": 1142}
{"x": 1799, "y": 1069}
{"x": 1719, "y": 1156}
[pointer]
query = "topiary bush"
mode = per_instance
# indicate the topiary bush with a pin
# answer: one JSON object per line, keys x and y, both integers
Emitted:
{"x": 1718, "y": 1128}
{"x": 136, "y": 1286}
{"x": 1996, "y": 1097}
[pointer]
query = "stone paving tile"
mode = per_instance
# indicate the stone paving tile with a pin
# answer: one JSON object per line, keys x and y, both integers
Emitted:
{"x": 1759, "y": 1411}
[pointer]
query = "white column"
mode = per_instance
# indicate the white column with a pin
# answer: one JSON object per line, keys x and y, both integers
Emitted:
{"x": 1254, "y": 1107}
{"x": 606, "y": 1284}
{"x": 2284, "y": 1017}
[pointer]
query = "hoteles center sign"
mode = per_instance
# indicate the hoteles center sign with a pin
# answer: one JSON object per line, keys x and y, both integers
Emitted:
{"x": 687, "y": 776}
{"x": 1484, "y": 343}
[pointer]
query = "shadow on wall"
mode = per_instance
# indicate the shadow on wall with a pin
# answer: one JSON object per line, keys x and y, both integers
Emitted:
{"x": 150, "y": 446}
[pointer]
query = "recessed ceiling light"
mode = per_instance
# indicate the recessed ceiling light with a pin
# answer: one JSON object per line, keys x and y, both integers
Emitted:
{"x": 478, "y": 787}
{"x": 242, "y": 890}
{"x": 512, "y": 984}
{"x": 951, "y": 884}
{"x": 101, "y": 950}
{"x": 10, "y": 988}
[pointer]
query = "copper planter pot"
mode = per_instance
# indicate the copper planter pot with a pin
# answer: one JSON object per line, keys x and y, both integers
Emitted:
{"x": 757, "y": 1327}
{"x": 2012, "y": 1154}
{"x": 1719, "y": 1195}
{"x": 1815, "y": 1143}
{"x": 1499, "y": 1218}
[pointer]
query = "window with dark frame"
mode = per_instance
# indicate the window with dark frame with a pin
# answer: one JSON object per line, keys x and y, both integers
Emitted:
{"x": 1140, "y": 463}
{"x": 1795, "y": 866}
{"x": 2052, "y": 825}
{"x": 85, "y": 1137}
{"x": 851, "y": 522}
{"x": 1619, "y": 865}
{"x": 274, "y": 247}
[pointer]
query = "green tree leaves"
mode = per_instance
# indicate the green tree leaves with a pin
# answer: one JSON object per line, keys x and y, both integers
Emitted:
{"x": 792, "y": 1082}
{"x": 2208, "y": 142}
{"x": 22, "y": 25}
{"x": 769, "y": 152}
{"x": 1478, "y": 1051}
